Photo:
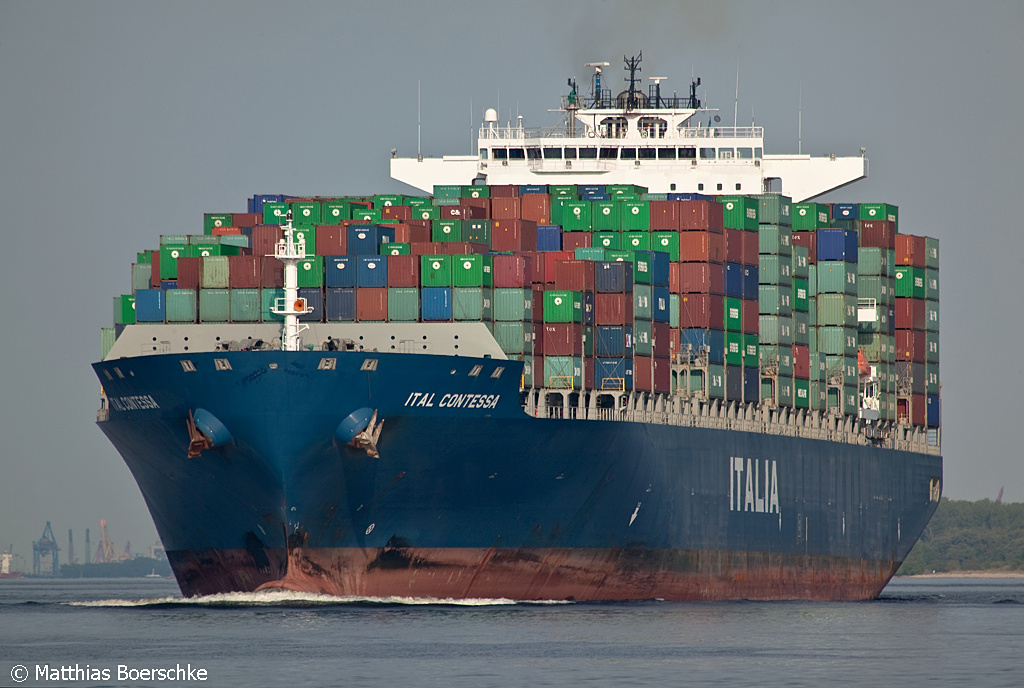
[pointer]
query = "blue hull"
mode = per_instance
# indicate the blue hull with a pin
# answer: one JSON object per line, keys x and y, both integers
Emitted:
{"x": 472, "y": 498}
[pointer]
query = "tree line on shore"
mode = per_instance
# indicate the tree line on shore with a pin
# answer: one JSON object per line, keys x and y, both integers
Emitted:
{"x": 970, "y": 536}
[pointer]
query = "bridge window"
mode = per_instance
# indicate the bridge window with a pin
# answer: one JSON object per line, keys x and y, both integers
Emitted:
{"x": 708, "y": 153}
{"x": 725, "y": 153}
{"x": 757, "y": 153}
{"x": 745, "y": 153}
{"x": 552, "y": 153}
{"x": 500, "y": 154}
{"x": 667, "y": 153}
{"x": 570, "y": 153}
{"x": 516, "y": 154}
{"x": 688, "y": 153}
{"x": 652, "y": 127}
{"x": 483, "y": 153}
{"x": 588, "y": 153}
{"x": 646, "y": 153}
{"x": 628, "y": 154}
{"x": 533, "y": 153}
{"x": 609, "y": 153}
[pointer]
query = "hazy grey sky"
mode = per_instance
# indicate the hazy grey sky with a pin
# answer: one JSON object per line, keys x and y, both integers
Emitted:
{"x": 122, "y": 121}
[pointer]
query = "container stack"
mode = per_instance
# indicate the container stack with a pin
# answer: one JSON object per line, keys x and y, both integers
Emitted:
{"x": 599, "y": 287}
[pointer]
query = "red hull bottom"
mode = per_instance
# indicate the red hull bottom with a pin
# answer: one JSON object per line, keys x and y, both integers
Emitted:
{"x": 540, "y": 574}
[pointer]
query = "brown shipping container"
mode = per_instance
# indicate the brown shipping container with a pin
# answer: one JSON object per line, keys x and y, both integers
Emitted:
{"x": 549, "y": 259}
{"x": 588, "y": 372}
{"x": 504, "y": 191}
{"x": 910, "y": 250}
{"x": 402, "y": 213}
{"x": 188, "y": 272}
{"x": 264, "y": 239}
{"x": 511, "y": 271}
{"x": 225, "y": 231}
{"x": 483, "y": 204}
{"x": 425, "y": 248}
{"x": 513, "y": 235}
{"x": 404, "y": 271}
{"x": 808, "y": 240}
{"x": 706, "y": 215}
{"x": 536, "y": 207}
{"x": 910, "y": 345}
{"x": 801, "y": 362}
{"x": 661, "y": 340}
{"x": 562, "y": 339}
{"x": 461, "y": 248}
{"x": 574, "y": 240}
{"x": 332, "y": 240}
{"x": 538, "y": 368}
{"x": 243, "y": 272}
{"x": 643, "y": 375}
{"x": 246, "y": 219}
{"x": 673, "y": 278}
{"x": 419, "y": 230}
{"x": 877, "y": 234}
{"x": 461, "y": 212}
{"x": 664, "y": 215}
{"x": 734, "y": 245}
{"x": 702, "y": 311}
{"x": 701, "y": 247}
{"x": 371, "y": 303}
{"x": 750, "y": 318}
{"x": 537, "y": 292}
{"x": 271, "y": 272}
{"x": 662, "y": 376}
{"x": 613, "y": 309}
{"x": 574, "y": 275}
{"x": 154, "y": 280}
{"x": 750, "y": 248}
{"x": 701, "y": 278}
{"x": 506, "y": 209}
{"x": 675, "y": 337}
{"x": 910, "y": 313}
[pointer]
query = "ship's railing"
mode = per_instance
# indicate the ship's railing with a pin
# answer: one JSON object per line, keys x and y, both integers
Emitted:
{"x": 517, "y": 133}
{"x": 661, "y": 409}
{"x": 717, "y": 132}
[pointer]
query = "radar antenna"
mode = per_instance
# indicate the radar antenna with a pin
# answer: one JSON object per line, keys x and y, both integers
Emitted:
{"x": 597, "y": 80}
{"x": 633, "y": 66}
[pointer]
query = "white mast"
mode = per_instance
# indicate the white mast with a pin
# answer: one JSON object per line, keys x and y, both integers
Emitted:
{"x": 291, "y": 306}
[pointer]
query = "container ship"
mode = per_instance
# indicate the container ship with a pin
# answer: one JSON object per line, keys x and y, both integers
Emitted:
{"x": 629, "y": 359}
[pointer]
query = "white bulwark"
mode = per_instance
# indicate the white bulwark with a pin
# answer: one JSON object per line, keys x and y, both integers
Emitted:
{"x": 666, "y": 144}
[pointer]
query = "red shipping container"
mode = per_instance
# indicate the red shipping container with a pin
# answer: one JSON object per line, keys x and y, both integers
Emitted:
{"x": 246, "y": 219}
{"x": 675, "y": 337}
{"x": 910, "y": 345}
{"x": 661, "y": 342}
{"x": 588, "y": 367}
{"x": 402, "y": 213}
{"x": 403, "y": 271}
{"x": 331, "y": 240}
{"x": 513, "y": 235}
{"x": 538, "y": 372}
{"x": 910, "y": 250}
{"x": 918, "y": 408}
{"x": 808, "y": 240}
{"x": 701, "y": 278}
{"x": 574, "y": 275}
{"x": 910, "y": 313}
{"x": 361, "y": 204}
{"x": 244, "y": 272}
{"x": 419, "y": 231}
{"x": 461, "y": 248}
{"x": 574, "y": 240}
{"x": 662, "y": 376}
{"x": 225, "y": 231}
{"x": 536, "y": 207}
{"x": 750, "y": 248}
{"x": 701, "y": 247}
{"x": 612, "y": 309}
{"x": 750, "y": 319}
{"x": 801, "y": 362}
{"x": 503, "y": 191}
{"x": 706, "y": 215}
{"x": 188, "y": 272}
{"x": 425, "y": 248}
{"x": 483, "y": 203}
{"x": 877, "y": 234}
{"x": 506, "y": 209}
{"x": 264, "y": 239}
{"x": 461, "y": 212}
{"x": 271, "y": 272}
{"x": 154, "y": 280}
{"x": 511, "y": 271}
{"x": 562, "y": 339}
{"x": 664, "y": 215}
{"x": 673, "y": 278}
{"x": 734, "y": 245}
{"x": 371, "y": 303}
{"x": 544, "y": 265}
{"x": 537, "y": 292}
{"x": 695, "y": 310}
{"x": 643, "y": 374}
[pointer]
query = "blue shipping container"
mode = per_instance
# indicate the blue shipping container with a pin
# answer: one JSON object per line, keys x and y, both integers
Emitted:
{"x": 436, "y": 303}
{"x": 532, "y": 189}
{"x": 613, "y": 277}
{"x": 751, "y": 288}
{"x": 371, "y": 271}
{"x": 590, "y": 189}
{"x": 150, "y": 305}
{"x": 589, "y": 308}
{"x": 690, "y": 197}
{"x": 341, "y": 304}
{"x": 168, "y": 284}
{"x": 549, "y": 238}
{"x": 845, "y": 211}
{"x": 660, "y": 261}
{"x": 365, "y": 240}
{"x": 255, "y": 204}
{"x": 595, "y": 197}
{"x": 837, "y": 244}
{"x": 314, "y": 299}
{"x": 613, "y": 341}
{"x": 734, "y": 280}
{"x": 698, "y": 338}
{"x": 933, "y": 410}
{"x": 660, "y": 300}
{"x": 614, "y": 373}
{"x": 340, "y": 271}
{"x": 751, "y": 384}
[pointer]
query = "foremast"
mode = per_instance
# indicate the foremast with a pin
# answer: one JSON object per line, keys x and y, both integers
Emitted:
{"x": 291, "y": 306}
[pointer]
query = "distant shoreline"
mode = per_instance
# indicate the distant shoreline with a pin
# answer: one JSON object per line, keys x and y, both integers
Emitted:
{"x": 967, "y": 574}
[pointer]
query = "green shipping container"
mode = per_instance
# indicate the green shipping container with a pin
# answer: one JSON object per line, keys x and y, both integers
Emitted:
{"x": 468, "y": 304}
{"x": 589, "y": 254}
{"x": 801, "y": 328}
{"x": 245, "y": 305}
{"x": 385, "y": 200}
{"x": 771, "y": 300}
{"x": 142, "y": 276}
{"x": 563, "y": 372}
{"x": 733, "y": 314}
{"x": 306, "y": 213}
{"x": 563, "y": 306}
{"x": 636, "y": 216}
{"x": 740, "y": 212}
{"x": 306, "y": 235}
{"x": 514, "y": 337}
{"x": 838, "y": 310}
{"x": 673, "y": 311}
{"x": 477, "y": 231}
{"x": 576, "y": 216}
{"x": 775, "y": 240}
{"x": 800, "y": 262}
{"x": 872, "y": 260}
{"x": 562, "y": 190}
{"x": 667, "y": 242}
{"x": 211, "y": 220}
{"x": 774, "y": 209}
{"x": 734, "y": 348}
{"x": 370, "y": 215}
{"x": 213, "y": 272}
{"x": 801, "y": 393}
{"x": 775, "y": 270}
{"x": 641, "y": 266}
{"x": 426, "y": 212}
{"x": 637, "y": 240}
{"x": 786, "y": 395}
{"x": 837, "y": 341}
{"x": 475, "y": 191}
{"x": 214, "y": 305}
{"x": 396, "y": 249}
{"x": 169, "y": 254}
{"x": 880, "y": 211}
{"x": 403, "y": 304}
{"x": 107, "y": 339}
{"x": 837, "y": 277}
{"x": 931, "y": 284}
{"x": 800, "y": 294}
{"x": 446, "y": 230}
{"x": 811, "y": 216}
{"x": 181, "y": 305}
{"x": 311, "y": 272}
{"x": 751, "y": 350}
{"x": 275, "y": 213}
{"x": 333, "y": 212}
{"x": 124, "y": 309}
{"x": 268, "y": 298}
{"x": 643, "y": 337}
{"x": 607, "y": 240}
{"x": 642, "y": 308}
{"x": 775, "y": 330}
{"x": 607, "y": 216}
{"x": 436, "y": 271}
{"x": 510, "y": 304}
{"x": 468, "y": 271}
{"x": 909, "y": 282}
{"x": 931, "y": 253}
{"x": 447, "y": 191}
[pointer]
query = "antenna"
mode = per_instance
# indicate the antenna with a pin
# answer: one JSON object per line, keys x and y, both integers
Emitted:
{"x": 736, "y": 104}
{"x": 799, "y": 118}
{"x": 632, "y": 66}
{"x": 419, "y": 151}
{"x": 597, "y": 80}
{"x": 657, "y": 88}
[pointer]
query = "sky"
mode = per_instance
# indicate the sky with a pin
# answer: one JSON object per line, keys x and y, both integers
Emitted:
{"x": 122, "y": 121}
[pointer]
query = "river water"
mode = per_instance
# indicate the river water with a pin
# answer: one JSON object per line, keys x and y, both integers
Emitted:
{"x": 109, "y": 632}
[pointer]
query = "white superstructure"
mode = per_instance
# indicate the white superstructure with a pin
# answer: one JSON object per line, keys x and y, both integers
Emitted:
{"x": 668, "y": 145}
